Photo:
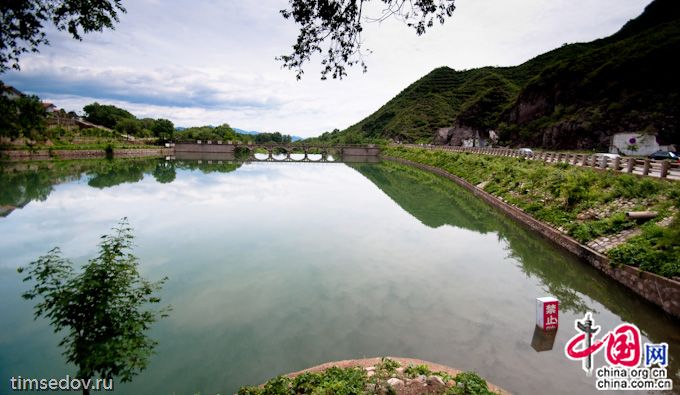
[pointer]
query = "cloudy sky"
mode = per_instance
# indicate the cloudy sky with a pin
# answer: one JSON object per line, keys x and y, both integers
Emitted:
{"x": 212, "y": 61}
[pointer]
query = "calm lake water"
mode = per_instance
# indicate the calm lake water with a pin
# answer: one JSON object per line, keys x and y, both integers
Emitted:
{"x": 275, "y": 267}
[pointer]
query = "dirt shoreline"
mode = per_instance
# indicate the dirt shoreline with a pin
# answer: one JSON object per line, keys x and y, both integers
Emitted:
{"x": 368, "y": 362}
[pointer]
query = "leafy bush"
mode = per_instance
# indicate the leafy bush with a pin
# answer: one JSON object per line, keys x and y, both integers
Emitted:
{"x": 656, "y": 250}
{"x": 585, "y": 232}
{"x": 469, "y": 383}
{"x": 334, "y": 380}
{"x": 388, "y": 365}
{"x": 413, "y": 371}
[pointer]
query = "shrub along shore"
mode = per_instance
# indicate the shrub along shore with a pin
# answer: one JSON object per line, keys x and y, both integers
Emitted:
{"x": 380, "y": 376}
{"x": 587, "y": 204}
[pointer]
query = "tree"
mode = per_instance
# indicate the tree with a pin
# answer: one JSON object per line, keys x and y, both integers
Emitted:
{"x": 129, "y": 126}
{"x": 329, "y": 27}
{"x": 23, "y": 116}
{"x": 22, "y": 23}
{"x": 103, "y": 310}
{"x": 333, "y": 28}
{"x": 163, "y": 129}
{"x": 105, "y": 115}
{"x": 225, "y": 132}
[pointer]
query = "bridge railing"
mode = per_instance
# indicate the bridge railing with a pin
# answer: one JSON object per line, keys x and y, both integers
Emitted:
{"x": 632, "y": 165}
{"x": 275, "y": 145}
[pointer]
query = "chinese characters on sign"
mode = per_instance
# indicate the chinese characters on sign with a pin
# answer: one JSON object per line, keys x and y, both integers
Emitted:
{"x": 547, "y": 313}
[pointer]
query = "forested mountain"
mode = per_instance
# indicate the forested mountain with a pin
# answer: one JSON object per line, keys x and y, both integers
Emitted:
{"x": 575, "y": 96}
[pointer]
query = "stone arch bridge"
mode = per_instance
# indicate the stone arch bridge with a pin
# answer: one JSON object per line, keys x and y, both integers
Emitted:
{"x": 275, "y": 152}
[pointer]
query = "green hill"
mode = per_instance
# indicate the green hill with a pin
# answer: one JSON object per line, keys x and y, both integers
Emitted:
{"x": 575, "y": 96}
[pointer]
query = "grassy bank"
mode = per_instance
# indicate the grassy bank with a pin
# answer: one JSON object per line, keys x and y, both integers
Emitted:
{"x": 386, "y": 377}
{"x": 58, "y": 138}
{"x": 95, "y": 145}
{"x": 584, "y": 203}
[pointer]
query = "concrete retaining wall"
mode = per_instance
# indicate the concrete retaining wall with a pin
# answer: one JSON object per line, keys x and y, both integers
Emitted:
{"x": 136, "y": 153}
{"x": 661, "y": 291}
{"x": 204, "y": 147}
{"x": 360, "y": 151}
{"x": 19, "y": 155}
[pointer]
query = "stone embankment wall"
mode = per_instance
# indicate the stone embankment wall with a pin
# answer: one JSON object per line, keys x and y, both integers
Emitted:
{"x": 17, "y": 155}
{"x": 361, "y": 151}
{"x": 211, "y": 147}
{"x": 662, "y": 291}
{"x": 135, "y": 153}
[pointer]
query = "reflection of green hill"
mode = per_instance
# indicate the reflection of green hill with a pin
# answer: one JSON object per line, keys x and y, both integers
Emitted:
{"x": 435, "y": 201}
{"x": 115, "y": 172}
{"x": 208, "y": 167}
{"x": 19, "y": 188}
{"x": 22, "y": 183}
{"x": 431, "y": 199}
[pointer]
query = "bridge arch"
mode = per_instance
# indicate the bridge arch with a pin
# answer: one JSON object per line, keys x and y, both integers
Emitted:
{"x": 316, "y": 154}
{"x": 279, "y": 153}
{"x": 243, "y": 151}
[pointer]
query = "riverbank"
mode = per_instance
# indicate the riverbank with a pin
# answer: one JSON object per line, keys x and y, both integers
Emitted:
{"x": 48, "y": 154}
{"x": 582, "y": 210}
{"x": 389, "y": 375}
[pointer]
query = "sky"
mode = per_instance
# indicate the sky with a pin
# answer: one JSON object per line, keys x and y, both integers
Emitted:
{"x": 213, "y": 62}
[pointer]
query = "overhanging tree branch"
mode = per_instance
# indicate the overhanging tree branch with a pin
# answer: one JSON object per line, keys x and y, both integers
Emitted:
{"x": 22, "y": 23}
{"x": 333, "y": 29}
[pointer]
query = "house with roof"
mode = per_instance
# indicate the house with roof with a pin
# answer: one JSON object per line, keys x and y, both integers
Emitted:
{"x": 49, "y": 107}
{"x": 10, "y": 92}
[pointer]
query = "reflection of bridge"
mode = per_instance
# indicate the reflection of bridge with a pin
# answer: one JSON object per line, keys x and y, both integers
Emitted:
{"x": 275, "y": 152}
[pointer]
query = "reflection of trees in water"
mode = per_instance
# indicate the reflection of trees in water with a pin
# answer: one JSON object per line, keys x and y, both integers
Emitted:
{"x": 427, "y": 197}
{"x": 435, "y": 201}
{"x": 19, "y": 188}
{"x": 21, "y": 183}
{"x": 164, "y": 172}
{"x": 207, "y": 167}
{"x": 115, "y": 172}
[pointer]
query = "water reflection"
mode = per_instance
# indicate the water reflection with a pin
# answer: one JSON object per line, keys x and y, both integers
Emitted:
{"x": 434, "y": 202}
{"x": 543, "y": 340}
{"x": 276, "y": 267}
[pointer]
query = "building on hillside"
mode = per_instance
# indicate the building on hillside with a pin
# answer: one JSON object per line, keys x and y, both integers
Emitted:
{"x": 49, "y": 107}
{"x": 10, "y": 92}
{"x": 636, "y": 144}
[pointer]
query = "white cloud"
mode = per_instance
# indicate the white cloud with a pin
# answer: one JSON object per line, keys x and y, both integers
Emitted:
{"x": 214, "y": 63}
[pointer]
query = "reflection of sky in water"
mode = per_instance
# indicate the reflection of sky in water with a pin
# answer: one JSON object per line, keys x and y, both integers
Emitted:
{"x": 276, "y": 267}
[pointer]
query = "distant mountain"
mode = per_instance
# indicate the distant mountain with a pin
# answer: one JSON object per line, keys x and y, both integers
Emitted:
{"x": 575, "y": 96}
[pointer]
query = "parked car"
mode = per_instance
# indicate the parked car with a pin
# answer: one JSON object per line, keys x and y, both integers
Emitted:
{"x": 526, "y": 151}
{"x": 665, "y": 155}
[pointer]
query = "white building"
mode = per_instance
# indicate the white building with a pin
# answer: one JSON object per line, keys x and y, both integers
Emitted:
{"x": 636, "y": 144}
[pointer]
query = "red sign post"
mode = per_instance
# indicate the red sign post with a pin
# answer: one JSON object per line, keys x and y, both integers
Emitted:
{"x": 547, "y": 313}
